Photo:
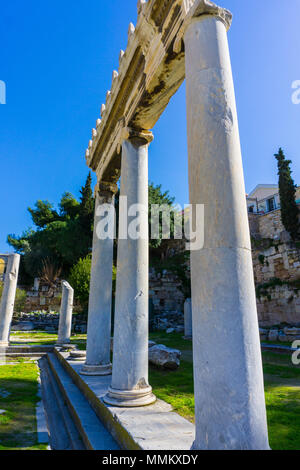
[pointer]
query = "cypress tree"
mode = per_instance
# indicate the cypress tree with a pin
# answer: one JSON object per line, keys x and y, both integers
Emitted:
{"x": 287, "y": 193}
{"x": 86, "y": 209}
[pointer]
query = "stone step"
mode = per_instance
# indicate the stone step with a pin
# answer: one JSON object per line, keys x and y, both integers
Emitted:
{"x": 153, "y": 427}
{"x": 66, "y": 422}
{"x": 94, "y": 435}
{"x": 59, "y": 438}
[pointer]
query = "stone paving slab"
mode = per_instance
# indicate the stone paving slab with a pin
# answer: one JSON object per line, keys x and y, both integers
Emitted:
{"x": 154, "y": 427}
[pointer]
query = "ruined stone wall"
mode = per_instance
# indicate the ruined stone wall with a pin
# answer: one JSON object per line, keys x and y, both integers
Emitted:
{"x": 279, "y": 305}
{"x": 167, "y": 299}
{"x": 276, "y": 265}
{"x": 46, "y": 322}
{"x": 280, "y": 261}
{"x": 270, "y": 225}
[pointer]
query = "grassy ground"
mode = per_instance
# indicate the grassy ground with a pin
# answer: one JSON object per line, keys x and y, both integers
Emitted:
{"x": 282, "y": 391}
{"x": 18, "y": 397}
{"x": 282, "y": 386}
{"x": 43, "y": 338}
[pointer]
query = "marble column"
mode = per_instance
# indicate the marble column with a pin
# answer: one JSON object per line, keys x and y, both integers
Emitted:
{"x": 130, "y": 386}
{"x": 65, "y": 317}
{"x": 8, "y": 297}
{"x": 100, "y": 300}
{"x": 188, "y": 319}
{"x": 229, "y": 390}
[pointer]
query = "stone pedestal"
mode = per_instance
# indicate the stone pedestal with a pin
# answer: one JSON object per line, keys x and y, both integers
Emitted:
{"x": 100, "y": 300}
{"x": 8, "y": 298}
{"x": 188, "y": 319}
{"x": 229, "y": 390}
{"x": 65, "y": 317}
{"x": 130, "y": 385}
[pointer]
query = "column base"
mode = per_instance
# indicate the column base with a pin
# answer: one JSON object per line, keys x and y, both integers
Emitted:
{"x": 77, "y": 355}
{"x": 96, "y": 370}
{"x": 65, "y": 346}
{"x": 129, "y": 398}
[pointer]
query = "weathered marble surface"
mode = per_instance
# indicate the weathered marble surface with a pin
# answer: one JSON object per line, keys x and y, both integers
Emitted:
{"x": 130, "y": 354}
{"x": 8, "y": 297}
{"x": 188, "y": 328}
{"x": 66, "y": 311}
{"x": 100, "y": 300}
{"x": 229, "y": 391}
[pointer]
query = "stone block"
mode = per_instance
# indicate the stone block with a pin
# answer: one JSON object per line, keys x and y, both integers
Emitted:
{"x": 23, "y": 326}
{"x": 292, "y": 331}
{"x": 164, "y": 357}
{"x": 273, "y": 335}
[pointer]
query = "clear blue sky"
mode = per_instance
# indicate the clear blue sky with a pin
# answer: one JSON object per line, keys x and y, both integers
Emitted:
{"x": 57, "y": 60}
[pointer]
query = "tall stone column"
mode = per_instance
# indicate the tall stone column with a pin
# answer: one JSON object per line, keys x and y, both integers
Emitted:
{"x": 228, "y": 379}
{"x": 100, "y": 300}
{"x": 188, "y": 328}
{"x": 8, "y": 297}
{"x": 65, "y": 317}
{"x": 130, "y": 385}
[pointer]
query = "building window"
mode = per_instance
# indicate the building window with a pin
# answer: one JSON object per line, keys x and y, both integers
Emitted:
{"x": 271, "y": 204}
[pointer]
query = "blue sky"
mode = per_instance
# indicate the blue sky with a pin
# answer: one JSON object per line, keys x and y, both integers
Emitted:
{"x": 57, "y": 58}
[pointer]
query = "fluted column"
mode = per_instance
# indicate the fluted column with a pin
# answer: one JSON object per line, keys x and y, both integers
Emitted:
{"x": 228, "y": 378}
{"x": 100, "y": 300}
{"x": 8, "y": 297}
{"x": 130, "y": 385}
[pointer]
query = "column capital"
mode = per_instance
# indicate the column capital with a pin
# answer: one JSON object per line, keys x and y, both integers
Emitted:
{"x": 131, "y": 133}
{"x": 196, "y": 8}
{"x": 106, "y": 189}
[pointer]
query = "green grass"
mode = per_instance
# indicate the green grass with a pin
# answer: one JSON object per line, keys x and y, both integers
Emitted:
{"x": 282, "y": 386}
{"x": 18, "y": 427}
{"x": 39, "y": 338}
{"x": 282, "y": 392}
{"x": 172, "y": 340}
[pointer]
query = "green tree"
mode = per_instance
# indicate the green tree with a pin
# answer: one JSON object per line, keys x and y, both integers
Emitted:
{"x": 43, "y": 214}
{"x": 87, "y": 204}
{"x": 287, "y": 193}
{"x": 79, "y": 279}
{"x": 160, "y": 198}
{"x": 61, "y": 237}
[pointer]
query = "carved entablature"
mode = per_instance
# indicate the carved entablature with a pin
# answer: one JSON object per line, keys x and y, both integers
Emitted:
{"x": 150, "y": 72}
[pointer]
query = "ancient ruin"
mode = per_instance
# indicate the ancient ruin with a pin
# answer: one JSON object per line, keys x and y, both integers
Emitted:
{"x": 174, "y": 40}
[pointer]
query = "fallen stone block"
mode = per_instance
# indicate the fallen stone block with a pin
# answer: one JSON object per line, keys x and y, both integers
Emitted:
{"x": 164, "y": 357}
{"x": 23, "y": 326}
{"x": 273, "y": 335}
{"x": 170, "y": 330}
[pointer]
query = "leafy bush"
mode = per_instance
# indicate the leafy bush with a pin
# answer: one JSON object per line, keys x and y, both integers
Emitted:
{"x": 79, "y": 279}
{"x": 20, "y": 298}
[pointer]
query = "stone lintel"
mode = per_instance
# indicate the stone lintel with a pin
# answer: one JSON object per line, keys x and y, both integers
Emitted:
{"x": 149, "y": 74}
